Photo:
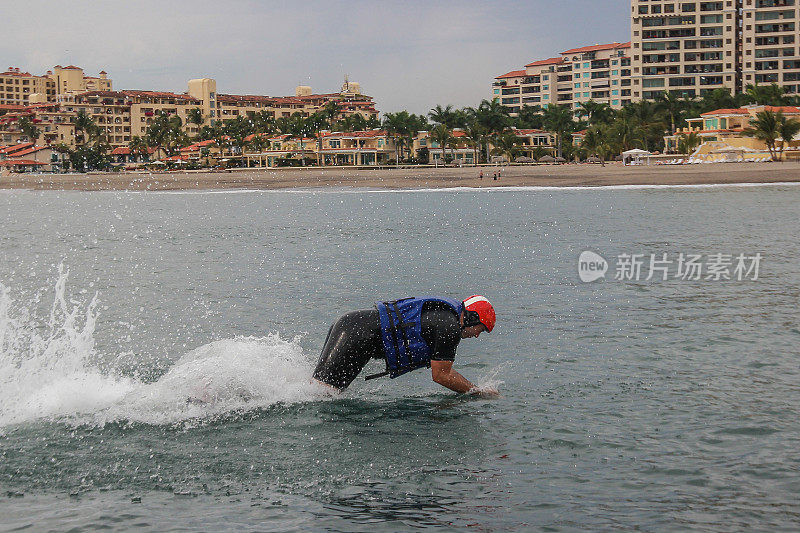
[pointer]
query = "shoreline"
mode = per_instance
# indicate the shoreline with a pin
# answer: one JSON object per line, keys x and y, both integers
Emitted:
{"x": 556, "y": 176}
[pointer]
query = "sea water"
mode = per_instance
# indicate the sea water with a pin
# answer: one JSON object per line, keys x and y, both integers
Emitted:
{"x": 155, "y": 350}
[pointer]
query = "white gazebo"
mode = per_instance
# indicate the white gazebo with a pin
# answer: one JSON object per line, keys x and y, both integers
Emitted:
{"x": 635, "y": 157}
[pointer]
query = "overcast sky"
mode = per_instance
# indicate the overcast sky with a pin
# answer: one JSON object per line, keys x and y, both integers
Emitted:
{"x": 407, "y": 55}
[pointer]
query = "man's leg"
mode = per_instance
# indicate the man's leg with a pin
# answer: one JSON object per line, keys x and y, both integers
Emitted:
{"x": 350, "y": 344}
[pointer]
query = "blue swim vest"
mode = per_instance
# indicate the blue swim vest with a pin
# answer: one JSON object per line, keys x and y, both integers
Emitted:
{"x": 401, "y": 331}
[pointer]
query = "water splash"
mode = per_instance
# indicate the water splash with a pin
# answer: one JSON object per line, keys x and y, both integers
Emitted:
{"x": 50, "y": 369}
{"x": 220, "y": 378}
{"x": 46, "y": 368}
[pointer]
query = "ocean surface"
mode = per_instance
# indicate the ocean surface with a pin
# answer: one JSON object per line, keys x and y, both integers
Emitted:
{"x": 626, "y": 403}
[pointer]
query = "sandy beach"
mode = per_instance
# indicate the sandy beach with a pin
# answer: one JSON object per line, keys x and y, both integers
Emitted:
{"x": 414, "y": 178}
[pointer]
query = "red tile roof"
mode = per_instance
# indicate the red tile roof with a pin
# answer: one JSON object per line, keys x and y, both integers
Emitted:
{"x": 122, "y": 150}
{"x": 726, "y": 112}
{"x": 597, "y": 47}
{"x": 160, "y": 94}
{"x": 528, "y": 131}
{"x": 29, "y": 151}
{"x": 229, "y": 98}
{"x": 355, "y": 134}
{"x": 15, "y": 73}
{"x": 512, "y": 74}
{"x": 197, "y": 146}
{"x": 15, "y": 148}
{"x": 19, "y": 162}
{"x": 783, "y": 109}
{"x": 110, "y": 94}
{"x": 551, "y": 61}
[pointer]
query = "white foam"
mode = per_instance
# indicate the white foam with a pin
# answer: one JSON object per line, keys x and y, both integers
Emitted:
{"x": 46, "y": 368}
{"x": 220, "y": 378}
{"x": 495, "y": 189}
{"x": 49, "y": 370}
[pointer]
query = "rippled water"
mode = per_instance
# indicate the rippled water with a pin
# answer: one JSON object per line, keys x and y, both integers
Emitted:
{"x": 660, "y": 405}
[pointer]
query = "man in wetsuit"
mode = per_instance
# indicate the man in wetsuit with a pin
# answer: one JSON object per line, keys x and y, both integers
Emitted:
{"x": 408, "y": 334}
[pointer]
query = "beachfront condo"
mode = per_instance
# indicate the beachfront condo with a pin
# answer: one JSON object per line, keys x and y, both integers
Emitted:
{"x": 600, "y": 73}
{"x": 676, "y": 47}
{"x": 770, "y": 41}
{"x": 684, "y": 48}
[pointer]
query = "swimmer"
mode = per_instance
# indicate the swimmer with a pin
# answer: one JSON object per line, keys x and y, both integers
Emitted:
{"x": 407, "y": 334}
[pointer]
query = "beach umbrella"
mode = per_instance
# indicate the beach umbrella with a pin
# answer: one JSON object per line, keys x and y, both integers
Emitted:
{"x": 523, "y": 159}
{"x": 560, "y": 160}
{"x": 547, "y": 159}
{"x": 593, "y": 159}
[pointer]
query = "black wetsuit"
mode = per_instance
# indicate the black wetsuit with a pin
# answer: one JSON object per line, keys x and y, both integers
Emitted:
{"x": 355, "y": 338}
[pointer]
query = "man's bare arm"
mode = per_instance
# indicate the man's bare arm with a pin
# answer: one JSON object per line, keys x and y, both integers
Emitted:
{"x": 442, "y": 373}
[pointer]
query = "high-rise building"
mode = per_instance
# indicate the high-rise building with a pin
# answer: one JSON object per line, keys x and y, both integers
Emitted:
{"x": 770, "y": 40}
{"x": 684, "y": 48}
{"x": 599, "y": 72}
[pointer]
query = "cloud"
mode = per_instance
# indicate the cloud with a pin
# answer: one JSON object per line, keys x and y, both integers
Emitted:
{"x": 408, "y": 55}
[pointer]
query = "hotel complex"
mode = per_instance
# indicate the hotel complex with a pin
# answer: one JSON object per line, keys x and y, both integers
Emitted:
{"x": 684, "y": 48}
{"x": 52, "y": 102}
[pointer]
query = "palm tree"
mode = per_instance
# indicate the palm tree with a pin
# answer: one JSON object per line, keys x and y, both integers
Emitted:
{"x": 766, "y": 128}
{"x": 595, "y": 142}
{"x": 86, "y": 126}
{"x": 687, "y": 143}
{"x": 442, "y": 135}
{"x": 672, "y": 106}
{"x": 264, "y": 122}
{"x": 300, "y": 127}
{"x": 443, "y": 115}
{"x": 138, "y": 146}
{"x": 529, "y": 116}
{"x": 595, "y": 112}
{"x": 331, "y": 112}
{"x": 393, "y": 124}
{"x": 766, "y": 94}
{"x": 316, "y": 123}
{"x": 493, "y": 117}
{"x": 27, "y": 127}
{"x": 787, "y": 129}
{"x": 195, "y": 116}
{"x": 720, "y": 98}
{"x": 475, "y": 135}
{"x": 558, "y": 119}
{"x": 507, "y": 144}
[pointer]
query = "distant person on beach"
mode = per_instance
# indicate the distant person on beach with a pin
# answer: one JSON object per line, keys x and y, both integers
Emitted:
{"x": 480, "y": 176}
{"x": 494, "y": 177}
{"x": 408, "y": 334}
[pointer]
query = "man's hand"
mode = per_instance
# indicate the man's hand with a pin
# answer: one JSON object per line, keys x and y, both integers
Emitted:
{"x": 485, "y": 392}
{"x": 442, "y": 373}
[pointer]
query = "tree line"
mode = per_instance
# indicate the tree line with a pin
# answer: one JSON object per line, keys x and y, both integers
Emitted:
{"x": 487, "y": 128}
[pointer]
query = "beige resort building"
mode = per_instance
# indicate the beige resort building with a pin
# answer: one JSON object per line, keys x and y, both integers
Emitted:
{"x": 121, "y": 115}
{"x": 723, "y": 128}
{"x": 598, "y": 72}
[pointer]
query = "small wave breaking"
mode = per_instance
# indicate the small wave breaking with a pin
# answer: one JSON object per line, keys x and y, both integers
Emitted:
{"x": 50, "y": 369}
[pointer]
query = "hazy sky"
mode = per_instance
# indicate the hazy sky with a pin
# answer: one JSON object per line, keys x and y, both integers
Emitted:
{"x": 407, "y": 55}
